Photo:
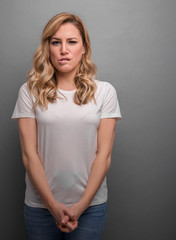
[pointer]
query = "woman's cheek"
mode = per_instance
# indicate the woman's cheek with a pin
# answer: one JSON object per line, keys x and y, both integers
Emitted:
{"x": 53, "y": 59}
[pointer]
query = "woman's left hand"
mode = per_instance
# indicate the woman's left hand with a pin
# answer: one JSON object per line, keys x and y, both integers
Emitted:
{"x": 77, "y": 209}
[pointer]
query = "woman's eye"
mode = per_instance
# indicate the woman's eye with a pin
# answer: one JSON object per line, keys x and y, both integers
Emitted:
{"x": 56, "y": 42}
{"x": 72, "y": 42}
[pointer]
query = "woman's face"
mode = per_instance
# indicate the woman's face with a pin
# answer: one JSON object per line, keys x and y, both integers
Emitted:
{"x": 66, "y": 49}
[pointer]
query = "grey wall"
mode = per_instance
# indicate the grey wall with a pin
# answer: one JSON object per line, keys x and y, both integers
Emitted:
{"x": 134, "y": 48}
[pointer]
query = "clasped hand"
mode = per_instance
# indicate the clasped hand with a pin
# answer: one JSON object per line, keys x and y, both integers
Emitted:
{"x": 67, "y": 218}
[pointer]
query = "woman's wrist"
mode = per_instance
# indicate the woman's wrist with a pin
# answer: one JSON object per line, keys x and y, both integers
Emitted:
{"x": 84, "y": 202}
{"x": 51, "y": 204}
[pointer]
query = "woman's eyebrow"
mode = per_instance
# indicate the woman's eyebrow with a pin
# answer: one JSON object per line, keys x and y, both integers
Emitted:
{"x": 67, "y": 38}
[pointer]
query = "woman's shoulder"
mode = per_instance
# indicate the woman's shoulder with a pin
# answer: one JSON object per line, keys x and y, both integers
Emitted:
{"x": 24, "y": 87}
{"x": 24, "y": 91}
{"x": 104, "y": 85}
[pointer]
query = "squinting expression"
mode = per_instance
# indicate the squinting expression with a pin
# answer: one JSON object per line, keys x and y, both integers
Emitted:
{"x": 66, "y": 49}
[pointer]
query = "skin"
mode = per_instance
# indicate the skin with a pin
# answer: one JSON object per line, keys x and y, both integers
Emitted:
{"x": 66, "y": 43}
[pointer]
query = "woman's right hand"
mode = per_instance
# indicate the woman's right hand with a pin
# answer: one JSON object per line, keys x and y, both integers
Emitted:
{"x": 59, "y": 212}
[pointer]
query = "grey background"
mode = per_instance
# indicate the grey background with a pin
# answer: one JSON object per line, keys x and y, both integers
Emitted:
{"x": 133, "y": 44}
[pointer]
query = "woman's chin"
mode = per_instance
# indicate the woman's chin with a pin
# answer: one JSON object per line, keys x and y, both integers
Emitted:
{"x": 66, "y": 70}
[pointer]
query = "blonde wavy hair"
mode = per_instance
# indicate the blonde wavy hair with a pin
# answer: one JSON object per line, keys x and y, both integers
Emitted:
{"x": 41, "y": 79}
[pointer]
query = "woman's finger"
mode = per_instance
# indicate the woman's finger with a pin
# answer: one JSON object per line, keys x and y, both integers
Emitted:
{"x": 69, "y": 213}
{"x": 65, "y": 219}
{"x": 68, "y": 227}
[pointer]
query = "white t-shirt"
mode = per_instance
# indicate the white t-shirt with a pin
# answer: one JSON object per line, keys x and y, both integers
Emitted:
{"x": 67, "y": 141}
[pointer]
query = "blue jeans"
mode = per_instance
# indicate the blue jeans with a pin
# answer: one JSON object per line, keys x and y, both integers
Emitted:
{"x": 41, "y": 225}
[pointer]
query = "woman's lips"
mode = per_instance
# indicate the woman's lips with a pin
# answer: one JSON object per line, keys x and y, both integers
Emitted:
{"x": 64, "y": 60}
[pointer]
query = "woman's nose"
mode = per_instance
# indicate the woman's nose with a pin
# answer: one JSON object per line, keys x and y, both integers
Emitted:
{"x": 64, "y": 49}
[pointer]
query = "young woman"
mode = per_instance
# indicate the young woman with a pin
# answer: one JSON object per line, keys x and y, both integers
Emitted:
{"x": 67, "y": 123}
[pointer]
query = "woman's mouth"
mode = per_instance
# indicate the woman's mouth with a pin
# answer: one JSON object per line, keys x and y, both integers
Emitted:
{"x": 64, "y": 60}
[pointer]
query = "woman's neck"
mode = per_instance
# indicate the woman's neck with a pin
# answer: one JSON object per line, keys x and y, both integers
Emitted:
{"x": 65, "y": 81}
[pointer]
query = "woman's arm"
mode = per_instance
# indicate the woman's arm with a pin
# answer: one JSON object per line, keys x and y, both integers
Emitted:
{"x": 101, "y": 164}
{"x": 109, "y": 158}
{"x": 34, "y": 168}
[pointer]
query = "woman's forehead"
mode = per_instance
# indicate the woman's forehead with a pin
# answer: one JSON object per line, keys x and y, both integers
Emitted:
{"x": 67, "y": 30}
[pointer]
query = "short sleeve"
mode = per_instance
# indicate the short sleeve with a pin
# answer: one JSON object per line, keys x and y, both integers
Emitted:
{"x": 110, "y": 107}
{"x": 24, "y": 104}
